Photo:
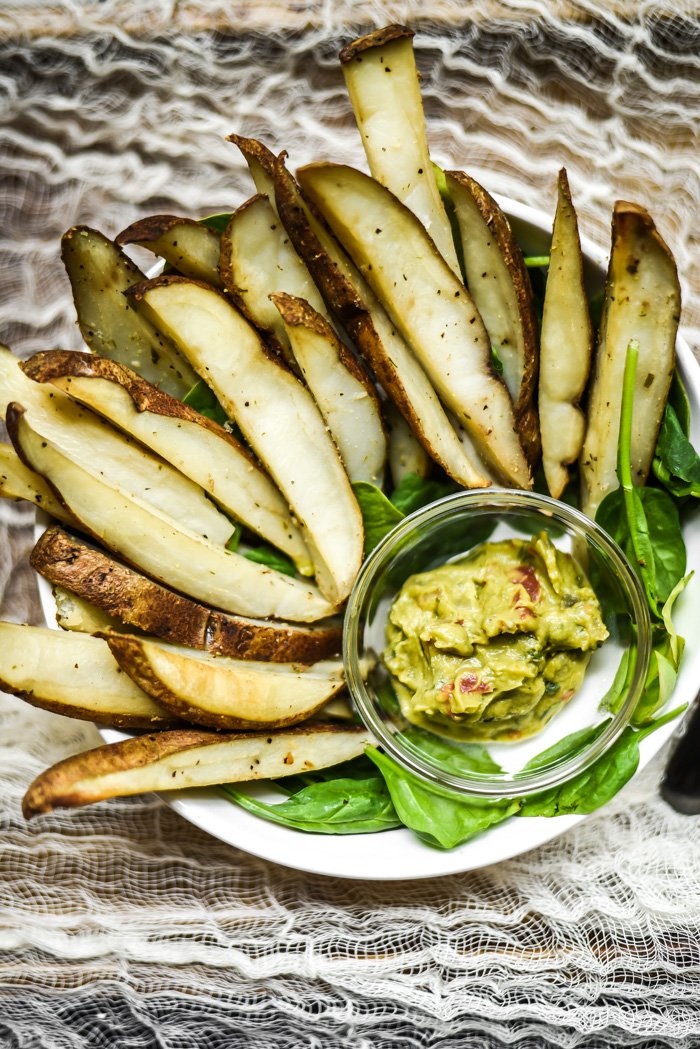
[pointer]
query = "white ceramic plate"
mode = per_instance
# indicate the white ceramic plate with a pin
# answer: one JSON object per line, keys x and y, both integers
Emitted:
{"x": 399, "y": 854}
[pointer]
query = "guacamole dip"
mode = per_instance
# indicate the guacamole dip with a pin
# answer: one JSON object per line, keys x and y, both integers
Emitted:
{"x": 491, "y": 646}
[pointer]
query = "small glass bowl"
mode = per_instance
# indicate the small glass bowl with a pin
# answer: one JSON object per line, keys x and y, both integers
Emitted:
{"x": 446, "y": 531}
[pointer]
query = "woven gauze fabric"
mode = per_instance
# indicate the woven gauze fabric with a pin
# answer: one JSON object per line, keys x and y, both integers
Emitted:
{"x": 124, "y": 925}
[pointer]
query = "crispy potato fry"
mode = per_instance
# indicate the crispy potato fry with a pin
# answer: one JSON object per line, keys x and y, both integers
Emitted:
{"x": 428, "y": 304}
{"x": 100, "y": 273}
{"x": 196, "y": 446}
{"x": 277, "y": 415}
{"x": 383, "y": 84}
{"x": 190, "y": 758}
{"x": 566, "y": 346}
{"x": 189, "y": 246}
{"x": 123, "y": 594}
{"x": 75, "y": 675}
{"x": 642, "y": 302}
{"x": 177, "y": 557}
{"x": 226, "y": 693}
{"x": 341, "y": 388}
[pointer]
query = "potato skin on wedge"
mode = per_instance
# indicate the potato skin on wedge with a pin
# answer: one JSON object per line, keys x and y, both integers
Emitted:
{"x": 190, "y": 758}
{"x": 140, "y": 602}
{"x": 225, "y": 693}
{"x": 566, "y": 347}
{"x": 75, "y": 675}
{"x": 642, "y": 302}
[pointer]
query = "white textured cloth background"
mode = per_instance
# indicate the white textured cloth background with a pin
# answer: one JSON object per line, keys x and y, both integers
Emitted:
{"x": 124, "y": 926}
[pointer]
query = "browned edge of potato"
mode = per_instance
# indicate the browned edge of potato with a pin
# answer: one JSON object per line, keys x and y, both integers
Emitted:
{"x": 378, "y": 38}
{"x": 526, "y": 420}
{"x": 139, "y": 602}
{"x": 170, "y": 683}
{"x": 155, "y": 762}
{"x": 56, "y": 364}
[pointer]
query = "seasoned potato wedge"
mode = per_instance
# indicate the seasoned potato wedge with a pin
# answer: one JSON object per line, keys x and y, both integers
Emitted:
{"x": 226, "y": 693}
{"x": 190, "y": 758}
{"x": 383, "y": 84}
{"x": 276, "y": 414}
{"x": 566, "y": 346}
{"x": 102, "y": 451}
{"x": 75, "y": 675}
{"x": 19, "y": 482}
{"x": 499, "y": 283}
{"x": 99, "y": 274}
{"x": 74, "y": 613}
{"x": 642, "y": 302}
{"x": 376, "y": 337}
{"x": 196, "y": 446}
{"x": 258, "y": 259}
{"x": 121, "y": 593}
{"x": 429, "y": 305}
{"x": 261, "y": 164}
{"x": 406, "y": 454}
{"x": 189, "y": 246}
{"x": 172, "y": 554}
{"x": 341, "y": 388}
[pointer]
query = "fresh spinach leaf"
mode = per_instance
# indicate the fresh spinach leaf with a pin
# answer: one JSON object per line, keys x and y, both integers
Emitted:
{"x": 448, "y": 204}
{"x": 613, "y": 697}
{"x": 441, "y": 818}
{"x": 644, "y": 521}
{"x": 496, "y": 362}
{"x": 204, "y": 401}
{"x": 335, "y": 806}
{"x": 679, "y": 401}
{"x": 379, "y": 515}
{"x": 534, "y": 261}
{"x": 676, "y": 455}
{"x": 234, "y": 542}
{"x": 413, "y": 492}
{"x": 267, "y": 555}
{"x": 599, "y": 783}
{"x": 460, "y": 758}
{"x": 568, "y": 745}
{"x": 217, "y": 222}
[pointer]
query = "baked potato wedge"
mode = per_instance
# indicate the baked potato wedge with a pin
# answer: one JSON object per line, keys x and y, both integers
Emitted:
{"x": 103, "y": 451}
{"x": 566, "y": 347}
{"x": 99, "y": 273}
{"x": 188, "y": 246}
{"x": 499, "y": 284}
{"x": 278, "y": 418}
{"x": 74, "y": 613}
{"x": 384, "y": 87}
{"x": 226, "y": 693}
{"x": 190, "y": 758}
{"x": 258, "y": 259}
{"x": 428, "y": 304}
{"x": 642, "y": 302}
{"x": 122, "y": 594}
{"x": 379, "y": 342}
{"x": 173, "y": 555}
{"x": 75, "y": 675}
{"x": 406, "y": 454}
{"x": 18, "y": 482}
{"x": 340, "y": 386}
{"x": 261, "y": 163}
{"x": 196, "y": 446}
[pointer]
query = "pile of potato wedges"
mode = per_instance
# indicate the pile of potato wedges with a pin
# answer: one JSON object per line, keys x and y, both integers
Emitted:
{"x": 346, "y": 327}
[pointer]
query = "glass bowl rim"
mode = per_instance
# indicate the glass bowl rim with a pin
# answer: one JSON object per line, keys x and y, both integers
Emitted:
{"x": 521, "y": 783}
